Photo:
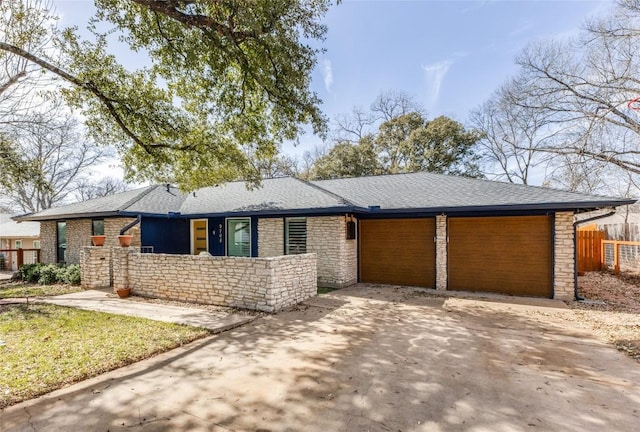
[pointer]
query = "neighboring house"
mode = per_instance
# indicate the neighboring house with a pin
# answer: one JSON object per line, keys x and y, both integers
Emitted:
{"x": 623, "y": 225}
{"x": 17, "y": 235}
{"x": 417, "y": 229}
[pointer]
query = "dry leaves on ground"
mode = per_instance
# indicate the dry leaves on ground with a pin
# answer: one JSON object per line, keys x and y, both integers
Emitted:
{"x": 612, "y": 308}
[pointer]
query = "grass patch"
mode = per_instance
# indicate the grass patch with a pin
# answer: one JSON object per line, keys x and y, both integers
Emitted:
{"x": 48, "y": 346}
{"x": 325, "y": 290}
{"x": 22, "y": 290}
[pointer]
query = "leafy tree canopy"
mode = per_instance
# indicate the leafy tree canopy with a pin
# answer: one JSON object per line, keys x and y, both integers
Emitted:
{"x": 226, "y": 79}
{"x": 405, "y": 143}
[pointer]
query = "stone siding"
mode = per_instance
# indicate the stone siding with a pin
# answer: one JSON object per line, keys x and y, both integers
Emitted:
{"x": 270, "y": 237}
{"x": 79, "y": 236}
{"x": 441, "y": 252}
{"x": 95, "y": 264}
{"x": 112, "y": 227}
{"x": 564, "y": 257}
{"x": 265, "y": 284}
{"x": 48, "y": 241}
{"x": 337, "y": 256}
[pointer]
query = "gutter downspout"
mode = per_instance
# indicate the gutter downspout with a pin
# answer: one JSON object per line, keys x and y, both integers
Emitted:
{"x": 131, "y": 225}
{"x": 575, "y": 249}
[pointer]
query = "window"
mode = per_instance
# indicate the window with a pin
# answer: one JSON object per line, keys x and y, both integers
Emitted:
{"x": 61, "y": 242}
{"x": 36, "y": 245}
{"x": 18, "y": 244}
{"x": 295, "y": 236}
{"x": 239, "y": 237}
{"x": 97, "y": 227}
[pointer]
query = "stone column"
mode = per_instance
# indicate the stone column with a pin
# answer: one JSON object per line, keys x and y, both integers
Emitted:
{"x": 564, "y": 257}
{"x": 441, "y": 252}
{"x": 120, "y": 259}
{"x": 95, "y": 267}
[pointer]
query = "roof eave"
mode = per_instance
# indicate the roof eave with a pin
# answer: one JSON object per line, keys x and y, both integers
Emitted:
{"x": 274, "y": 212}
{"x": 66, "y": 216}
{"x": 563, "y": 206}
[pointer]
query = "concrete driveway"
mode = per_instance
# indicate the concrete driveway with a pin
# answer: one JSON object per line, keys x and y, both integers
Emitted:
{"x": 364, "y": 359}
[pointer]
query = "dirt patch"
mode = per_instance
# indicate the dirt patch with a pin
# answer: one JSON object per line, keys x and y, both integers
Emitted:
{"x": 611, "y": 309}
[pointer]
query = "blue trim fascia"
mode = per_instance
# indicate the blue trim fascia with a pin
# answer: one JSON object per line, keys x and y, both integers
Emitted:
{"x": 374, "y": 210}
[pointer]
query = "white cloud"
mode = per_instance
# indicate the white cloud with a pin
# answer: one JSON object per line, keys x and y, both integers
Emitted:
{"x": 435, "y": 74}
{"x": 327, "y": 74}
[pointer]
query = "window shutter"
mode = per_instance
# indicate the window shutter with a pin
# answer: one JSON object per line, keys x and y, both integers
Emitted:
{"x": 296, "y": 236}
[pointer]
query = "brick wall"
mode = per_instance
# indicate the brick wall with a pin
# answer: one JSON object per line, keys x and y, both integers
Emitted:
{"x": 564, "y": 257}
{"x": 337, "y": 256}
{"x": 270, "y": 237}
{"x": 95, "y": 265}
{"x": 441, "y": 252}
{"x": 265, "y": 284}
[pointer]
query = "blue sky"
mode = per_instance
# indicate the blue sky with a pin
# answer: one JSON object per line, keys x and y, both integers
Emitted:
{"x": 449, "y": 55}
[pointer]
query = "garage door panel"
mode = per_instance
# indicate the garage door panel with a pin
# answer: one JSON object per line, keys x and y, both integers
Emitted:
{"x": 397, "y": 251}
{"x": 510, "y": 255}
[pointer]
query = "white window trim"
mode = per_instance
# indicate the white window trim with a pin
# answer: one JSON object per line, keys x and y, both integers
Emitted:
{"x": 192, "y": 232}
{"x": 18, "y": 242}
{"x": 226, "y": 234}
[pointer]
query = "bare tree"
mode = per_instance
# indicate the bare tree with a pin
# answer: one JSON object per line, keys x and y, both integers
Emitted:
{"x": 585, "y": 87}
{"x": 357, "y": 124}
{"x": 52, "y": 145}
{"x": 87, "y": 189}
{"x": 512, "y": 138}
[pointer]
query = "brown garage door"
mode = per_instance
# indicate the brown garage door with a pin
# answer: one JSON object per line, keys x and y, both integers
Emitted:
{"x": 398, "y": 251}
{"x": 510, "y": 255}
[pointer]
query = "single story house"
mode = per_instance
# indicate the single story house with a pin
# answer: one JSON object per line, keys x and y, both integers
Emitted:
{"x": 418, "y": 229}
{"x": 14, "y": 236}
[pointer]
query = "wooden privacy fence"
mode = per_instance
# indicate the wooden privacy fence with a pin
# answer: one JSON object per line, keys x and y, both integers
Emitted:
{"x": 590, "y": 250}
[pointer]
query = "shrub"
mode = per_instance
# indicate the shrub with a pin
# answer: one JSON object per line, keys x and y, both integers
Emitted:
{"x": 30, "y": 272}
{"x": 70, "y": 274}
{"x": 48, "y": 274}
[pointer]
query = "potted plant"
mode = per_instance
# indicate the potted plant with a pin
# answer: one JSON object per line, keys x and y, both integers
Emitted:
{"x": 123, "y": 292}
{"x": 98, "y": 240}
{"x": 125, "y": 240}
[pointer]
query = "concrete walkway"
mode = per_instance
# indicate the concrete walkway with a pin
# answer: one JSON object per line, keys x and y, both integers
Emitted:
{"x": 98, "y": 300}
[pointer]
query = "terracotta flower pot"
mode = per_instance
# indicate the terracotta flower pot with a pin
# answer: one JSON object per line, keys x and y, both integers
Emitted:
{"x": 98, "y": 240}
{"x": 123, "y": 292}
{"x": 125, "y": 240}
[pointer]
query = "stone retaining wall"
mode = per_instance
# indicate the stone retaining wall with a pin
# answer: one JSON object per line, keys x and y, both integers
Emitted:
{"x": 265, "y": 284}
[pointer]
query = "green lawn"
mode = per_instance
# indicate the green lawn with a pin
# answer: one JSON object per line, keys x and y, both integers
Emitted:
{"x": 47, "y": 346}
{"x": 33, "y": 290}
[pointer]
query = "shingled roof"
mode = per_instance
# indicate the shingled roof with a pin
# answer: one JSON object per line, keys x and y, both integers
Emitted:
{"x": 438, "y": 192}
{"x": 400, "y": 193}
{"x": 272, "y": 196}
{"x": 156, "y": 199}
